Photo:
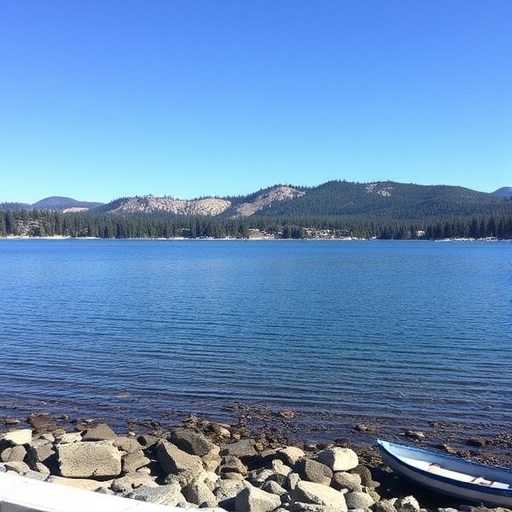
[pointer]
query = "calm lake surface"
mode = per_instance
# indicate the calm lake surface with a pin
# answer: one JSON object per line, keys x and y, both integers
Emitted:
{"x": 398, "y": 333}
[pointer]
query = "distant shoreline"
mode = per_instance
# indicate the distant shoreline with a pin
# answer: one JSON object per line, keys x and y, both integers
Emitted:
{"x": 257, "y": 239}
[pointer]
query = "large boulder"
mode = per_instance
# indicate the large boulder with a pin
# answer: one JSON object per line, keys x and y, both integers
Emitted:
{"x": 70, "y": 437}
{"x": 131, "y": 481}
{"x": 243, "y": 449}
{"x": 232, "y": 464}
{"x": 101, "y": 432}
{"x": 227, "y": 489}
{"x": 279, "y": 467}
{"x": 273, "y": 487}
{"x": 94, "y": 459}
{"x": 179, "y": 466}
{"x": 212, "y": 459}
{"x": 350, "y": 481}
{"x": 200, "y": 494}
{"x": 338, "y": 459}
{"x": 127, "y": 444}
{"x": 20, "y": 467}
{"x": 40, "y": 451}
{"x": 133, "y": 461}
{"x": 86, "y": 484}
{"x": 16, "y": 437}
{"x": 298, "y": 506}
{"x": 366, "y": 476}
{"x": 43, "y": 422}
{"x": 191, "y": 442}
{"x": 385, "y": 506}
{"x": 407, "y": 504}
{"x": 252, "y": 499}
{"x": 13, "y": 454}
{"x": 162, "y": 495}
{"x": 359, "y": 500}
{"x": 311, "y": 492}
{"x": 290, "y": 455}
{"x": 314, "y": 471}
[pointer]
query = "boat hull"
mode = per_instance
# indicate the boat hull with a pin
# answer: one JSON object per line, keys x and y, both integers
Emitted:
{"x": 489, "y": 485}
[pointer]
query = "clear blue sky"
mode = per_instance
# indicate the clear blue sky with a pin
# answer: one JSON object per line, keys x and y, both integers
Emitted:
{"x": 101, "y": 99}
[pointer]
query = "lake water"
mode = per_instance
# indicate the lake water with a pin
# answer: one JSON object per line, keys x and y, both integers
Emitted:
{"x": 396, "y": 333}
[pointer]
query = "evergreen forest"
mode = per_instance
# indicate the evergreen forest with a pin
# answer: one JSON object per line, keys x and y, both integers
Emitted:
{"x": 47, "y": 223}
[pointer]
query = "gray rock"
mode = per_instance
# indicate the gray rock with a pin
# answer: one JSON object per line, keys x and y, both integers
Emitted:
{"x": 314, "y": 471}
{"x": 241, "y": 449}
{"x": 17, "y": 437}
{"x": 162, "y": 495}
{"x": 134, "y": 461}
{"x": 257, "y": 476}
{"x": 40, "y": 451}
{"x": 42, "y": 422}
{"x": 343, "y": 480}
{"x": 232, "y": 464}
{"x": 200, "y": 494}
{"x": 41, "y": 468}
{"x": 131, "y": 481}
{"x": 35, "y": 475}
{"x": 101, "y": 432}
{"x": 407, "y": 504}
{"x": 338, "y": 459}
{"x": 89, "y": 460}
{"x": 298, "y": 506}
{"x": 179, "y": 463}
{"x": 191, "y": 442}
{"x": 127, "y": 444}
{"x": 211, "y": 461}
{"x": 70, "y": 437}
{"x": 148, "y": 440}
{"x": 366, "y": 476}
{"x": 373, "y": 493}
{"x": 19, "y": 467}
{"x": 210, "y": 479}
{"x": 252, "y": 499}
{"x": 282, "y": 480}
{"x": 359, "y": 500}
{"x": 80, "y": 483}
{"x": 311, "y": 492}
{"x": 385, "y": 506}
{"x": 228, "y": 489}
{"x": 273, "y": 488}
{"x": 13, "y": 454}
{"x": 291, "y": 455}
{"x": 278, "y": 466}
{"x": 221, "y": 430}
{"x": 232, "y": 476}
{"x": 291, "y": 481}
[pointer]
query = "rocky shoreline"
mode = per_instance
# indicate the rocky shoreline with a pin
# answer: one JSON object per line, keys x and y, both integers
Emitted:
{"x": 202, "y": 463}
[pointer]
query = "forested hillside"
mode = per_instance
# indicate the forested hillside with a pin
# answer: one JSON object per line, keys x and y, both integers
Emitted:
{"x": 390, "y": 199}
{"x": 337, "y": 209}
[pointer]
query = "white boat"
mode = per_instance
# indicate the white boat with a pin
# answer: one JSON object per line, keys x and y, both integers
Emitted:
{"x": 472, "y": 481}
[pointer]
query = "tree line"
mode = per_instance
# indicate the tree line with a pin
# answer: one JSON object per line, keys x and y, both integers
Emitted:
{"x": 34, "y": 223}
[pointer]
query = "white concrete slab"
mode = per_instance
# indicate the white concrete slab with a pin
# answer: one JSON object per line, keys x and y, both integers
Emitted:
{"x": 20, "y": 494}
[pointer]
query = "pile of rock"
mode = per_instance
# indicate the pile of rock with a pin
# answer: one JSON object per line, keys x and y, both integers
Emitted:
{"x": 187, "y": 469}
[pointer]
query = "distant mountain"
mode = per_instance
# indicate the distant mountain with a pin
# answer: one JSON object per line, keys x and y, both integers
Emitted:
{"x": 62, "y": 204}
{"x": 503, "y": 192}
{"x": 335, "y": 198}
{"x": 241, "y": 206}
{"x": 383, "y": 199}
